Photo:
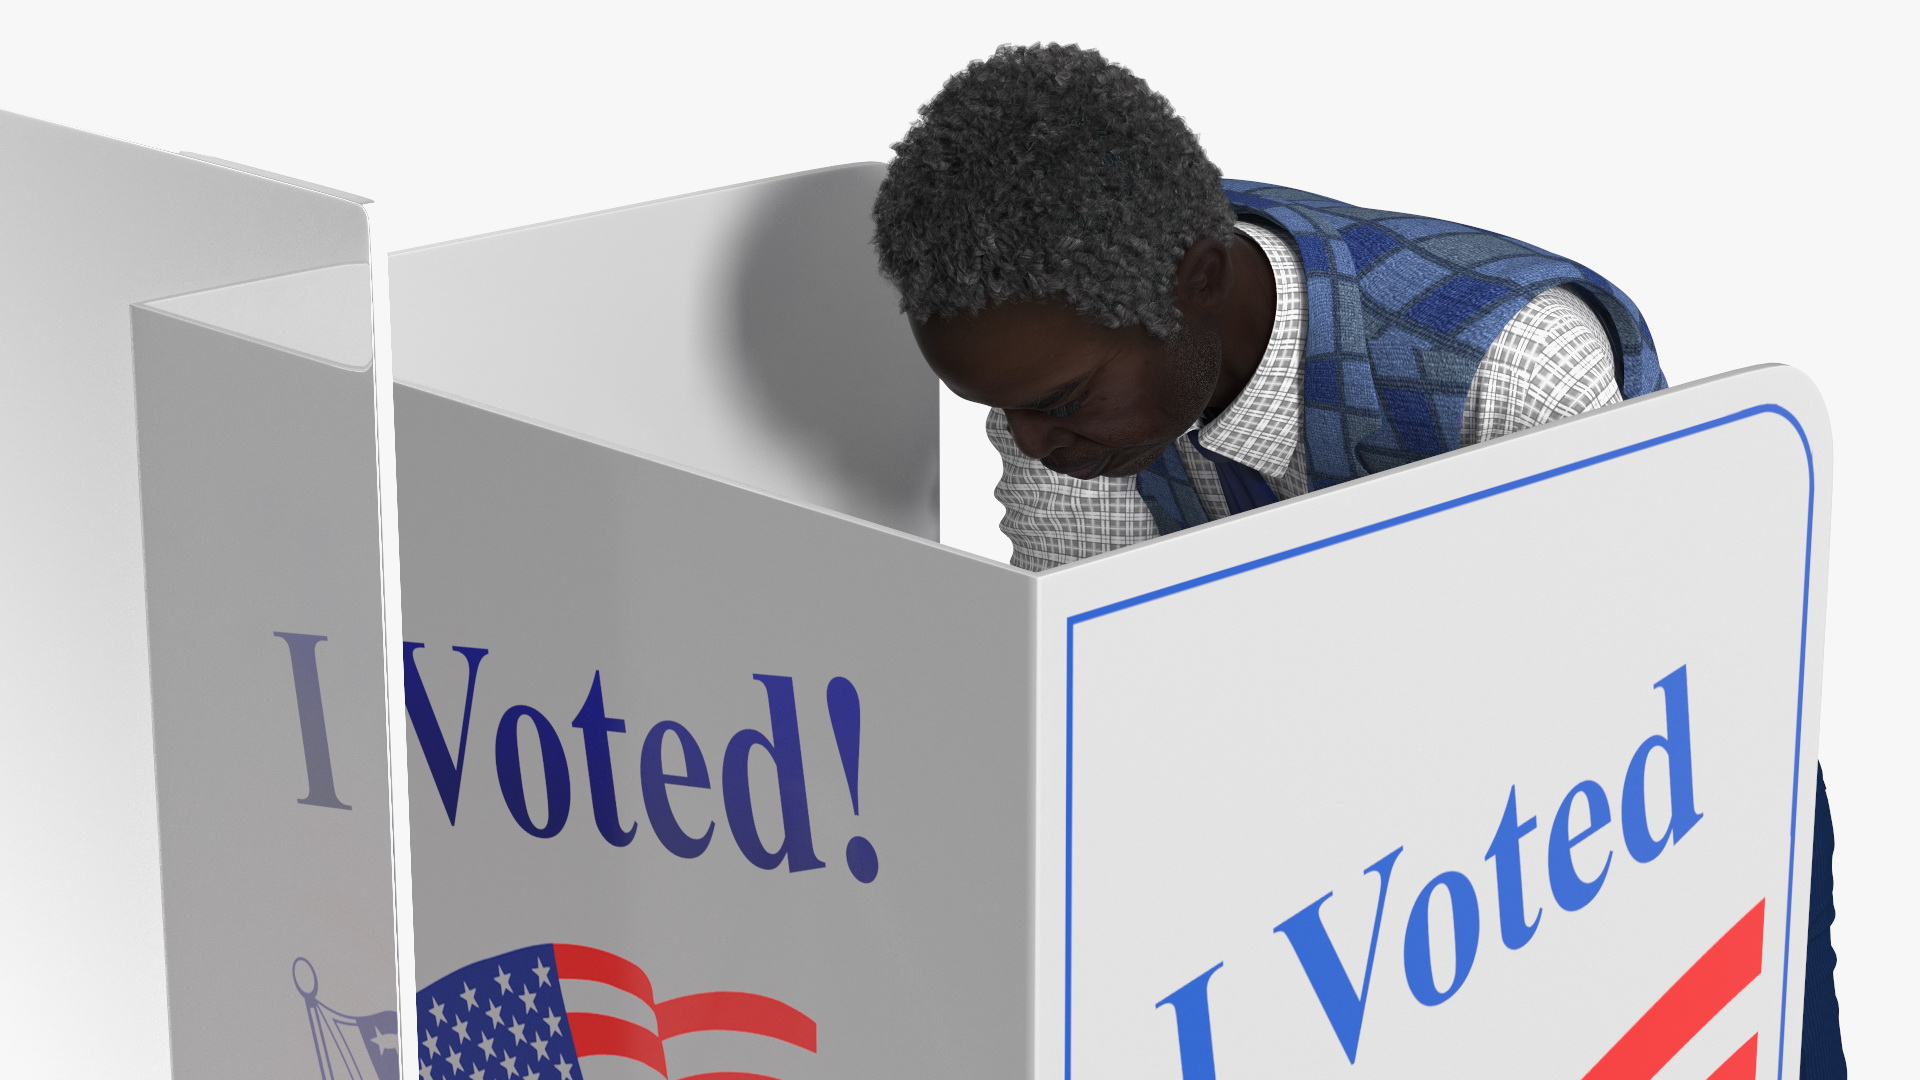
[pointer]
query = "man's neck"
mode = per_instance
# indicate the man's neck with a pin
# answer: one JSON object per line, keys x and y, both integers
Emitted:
{"x": 1247, "y": 323}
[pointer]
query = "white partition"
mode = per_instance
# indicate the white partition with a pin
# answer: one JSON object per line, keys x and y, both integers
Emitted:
{"x": 718, "y": 768}
{"x": 91, "y": 226}
{"x": 262, "y": 524}
{"x": 744, "y": 332}
{"x": 1505, "y": 759}
{"x": 708, "y": 780}
{"x": 552, "y": 583}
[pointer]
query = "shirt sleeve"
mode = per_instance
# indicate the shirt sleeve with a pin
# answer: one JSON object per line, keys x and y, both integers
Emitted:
{"x": 1551, "y": 361}
{"x": 1054, "y": 519}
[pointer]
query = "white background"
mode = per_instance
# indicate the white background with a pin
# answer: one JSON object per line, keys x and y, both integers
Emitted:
{"x": 1742, "y": 170}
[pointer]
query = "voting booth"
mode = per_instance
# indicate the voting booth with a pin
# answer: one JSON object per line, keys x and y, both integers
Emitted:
{"x": 555, "y": 672}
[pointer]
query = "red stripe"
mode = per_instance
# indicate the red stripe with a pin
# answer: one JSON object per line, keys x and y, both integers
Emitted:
{"x": 1743, "y": 1065}
{"x": 728, "y": 1011}
{"x": 598, "y": 965}
{"x": 610, "y": 1036}
{"x": 1707, "y": 987}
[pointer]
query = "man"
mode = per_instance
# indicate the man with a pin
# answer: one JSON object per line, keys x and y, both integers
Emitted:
{"x": 1162, "y": 347}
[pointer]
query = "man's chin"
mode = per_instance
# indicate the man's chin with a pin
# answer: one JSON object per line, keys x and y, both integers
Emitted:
{"x": 1086, "y": 471}
{"x": 1131, "y": 464}
{"x": 1117, "y": 463}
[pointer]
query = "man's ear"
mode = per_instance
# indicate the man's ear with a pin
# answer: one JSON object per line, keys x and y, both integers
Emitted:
{"x": 1203, "y": 281}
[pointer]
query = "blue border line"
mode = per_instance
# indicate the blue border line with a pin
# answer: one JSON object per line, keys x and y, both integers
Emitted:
{"x": 1806, "y": 592}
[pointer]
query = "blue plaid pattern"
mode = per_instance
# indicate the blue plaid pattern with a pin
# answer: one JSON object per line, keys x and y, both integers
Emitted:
{"x": 1400, "y": 311}
{"x": 1169, "y": 494}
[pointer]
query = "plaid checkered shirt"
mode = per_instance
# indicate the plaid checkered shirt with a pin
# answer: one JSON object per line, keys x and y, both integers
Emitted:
{"x": 1552, "y": 360}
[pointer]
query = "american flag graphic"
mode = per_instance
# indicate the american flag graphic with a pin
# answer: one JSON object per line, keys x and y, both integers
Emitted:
{"x": 506, "y": 1018}
{"x": 348, "y": 1047}
{"x": 1705, "y": 989}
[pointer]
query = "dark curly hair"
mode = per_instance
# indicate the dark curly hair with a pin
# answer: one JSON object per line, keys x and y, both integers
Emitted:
{"x": 1046, "y": 171}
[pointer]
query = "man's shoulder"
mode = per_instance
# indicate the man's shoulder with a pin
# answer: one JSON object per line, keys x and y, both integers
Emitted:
{"x": 1254, "y": 192}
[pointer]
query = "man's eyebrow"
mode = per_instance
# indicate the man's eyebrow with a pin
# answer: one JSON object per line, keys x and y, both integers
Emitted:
{"x": 1053, "y": 398}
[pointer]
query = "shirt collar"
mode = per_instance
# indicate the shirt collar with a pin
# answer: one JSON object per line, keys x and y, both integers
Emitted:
{"x": 1261, "y": 427}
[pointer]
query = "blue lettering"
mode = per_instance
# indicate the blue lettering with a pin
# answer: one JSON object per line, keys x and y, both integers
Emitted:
{"x": 1331, "y": 984}
{"x": 595, "y": 725}
{"x": 654, "y": 779}
{"x": 1193, "y": 1023}
{"x": 1570, "y": 890}
{"x": 553, "y": 765}
{"x": 313, "y": 719}
{"x": 796, "y": 846}
{"x": 1515, "y": 929}
{"x": 1417, "y": 953}
{"x": 446, "y": 768}
{"x": 1677, "y": 743}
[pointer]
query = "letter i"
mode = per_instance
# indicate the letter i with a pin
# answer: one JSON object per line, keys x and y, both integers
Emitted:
{"x": 1194, "y": 1023}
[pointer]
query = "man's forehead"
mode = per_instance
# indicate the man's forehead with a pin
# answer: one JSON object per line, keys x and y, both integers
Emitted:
{"x": 1016, "y": 355}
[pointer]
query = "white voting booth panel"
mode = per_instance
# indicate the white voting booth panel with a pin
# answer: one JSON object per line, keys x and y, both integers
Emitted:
{"x": 258, "y": 484}
{"x": 707, "y": 781}
{"x": 1361, "y": 784}
{"x": 745, "y": 332}
{"x": 659, "y": 707}
{"x": 1094, "y": 795}
{"x": 717, "y": 768}
{"x": 162, "y": 873}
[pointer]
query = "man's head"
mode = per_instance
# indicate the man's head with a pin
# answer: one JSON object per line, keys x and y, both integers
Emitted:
{"x": 1061, "y": 247}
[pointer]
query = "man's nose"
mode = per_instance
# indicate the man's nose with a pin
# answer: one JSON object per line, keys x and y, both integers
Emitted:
{"x": 1036, "y": 433}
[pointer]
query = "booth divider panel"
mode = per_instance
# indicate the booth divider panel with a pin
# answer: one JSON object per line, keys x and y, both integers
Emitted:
{"x": 1276, "y": 755}
{"x": 587, "y": 621}
{"x": 264, "y": 619}
{"x": 743, "y": 332}
{"x": 92, "y": 225}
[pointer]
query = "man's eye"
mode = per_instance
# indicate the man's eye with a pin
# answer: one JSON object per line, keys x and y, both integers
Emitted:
{"x": 1061, "y": 412}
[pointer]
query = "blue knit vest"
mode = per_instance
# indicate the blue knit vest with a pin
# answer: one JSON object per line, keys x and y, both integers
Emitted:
{"x": 1400, "y": 310}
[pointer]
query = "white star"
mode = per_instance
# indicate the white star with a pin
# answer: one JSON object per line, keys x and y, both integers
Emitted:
{"x": 467, "y": 996}
{"x": 476, "y": 1074}
{"x": 486, "y": 1046}
{"x": 388, "y": 1041}
{"x": 553, "y": 1023}
{"x": 432, "y": 1046}
{"x": 527, "y": 999}
{"x": 566, "y": 1069}
{"x": 493, "y": 1014}
{"x": 540, "y": 1047}
{"x": 512, "y": 1067}
{"x": 426, "y": 1071}
{"x": 453, "y": 1060}
{"x": 505, "y": 980}
{"x": 460, "y": 1029}
{"x": 532, "y": 1074}
{"x": 540, "y": 970}
{"x": 518, "y": 1030}
{"x": 439, "y": 1012}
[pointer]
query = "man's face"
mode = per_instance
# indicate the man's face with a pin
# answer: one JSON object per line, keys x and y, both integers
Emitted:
{"x": 1085, "y": 400}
